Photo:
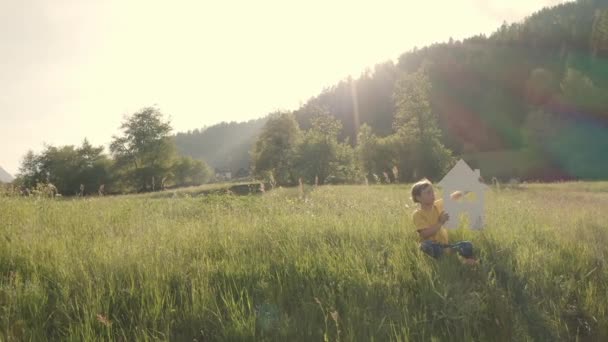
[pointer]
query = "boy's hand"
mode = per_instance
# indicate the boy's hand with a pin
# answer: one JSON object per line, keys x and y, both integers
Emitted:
{"x": 456, "y": 195}
{"x": 444, "y": 217}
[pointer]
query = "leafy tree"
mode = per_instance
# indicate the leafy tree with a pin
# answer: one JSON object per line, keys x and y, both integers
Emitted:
{"x": 144, "y": 153}
{"x": 367, "y": 149}
{"x": 320, "y": 155}
{"x": 275, "y": 148}
{"x": 599, "y": 33}
{"x": 30, "y": 172}
{"x": 95, "y": 167}
{"x": 416, "y": 125}
{"x": 345, "y": 169}
{"x": 188, "y": 172}
{"x": 378, "y": 155}
{"x": 67, "y": 168}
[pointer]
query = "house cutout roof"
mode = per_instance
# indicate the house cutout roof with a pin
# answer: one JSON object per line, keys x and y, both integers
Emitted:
{"x": 461, "y": 177}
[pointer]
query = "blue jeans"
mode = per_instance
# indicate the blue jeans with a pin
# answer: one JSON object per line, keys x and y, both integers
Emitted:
{"x": 435, "y": 249}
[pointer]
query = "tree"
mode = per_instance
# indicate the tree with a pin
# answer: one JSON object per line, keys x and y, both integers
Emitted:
{"x": 345, "y": 168}
{"x": 599, "y": 33}
{"x": 29, "y": 172}
{"x": 379, "y": 155}
{"x": 275, "y": 147}
{"x": 188, "y": 172}
{"x": 145, "y": 152}
{"x": 580, "y": 91}
{"x": 67, "y": 168}
{"x": 416, "y": 125}
{"x": 320, "y": 155}
{"x": 367, "y": 147}
{"x": 94, "y": 167}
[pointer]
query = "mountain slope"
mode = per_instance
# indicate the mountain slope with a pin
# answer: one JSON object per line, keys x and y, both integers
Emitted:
{"x": 540, "y": 86}
{"x": 5, "y": 177}
{"x": 224, "y": 146}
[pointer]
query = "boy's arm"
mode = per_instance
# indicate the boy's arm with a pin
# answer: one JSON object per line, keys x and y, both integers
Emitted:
{"x": 426, "y": 232}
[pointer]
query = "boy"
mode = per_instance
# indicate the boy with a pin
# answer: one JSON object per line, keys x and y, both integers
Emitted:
{"x": 429, "y": 220}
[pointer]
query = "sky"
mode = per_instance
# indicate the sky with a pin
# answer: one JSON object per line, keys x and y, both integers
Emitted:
{"x": 71, "y": 70}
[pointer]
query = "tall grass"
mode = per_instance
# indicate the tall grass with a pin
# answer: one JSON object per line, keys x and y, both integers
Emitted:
{"x": 340, "y": 263}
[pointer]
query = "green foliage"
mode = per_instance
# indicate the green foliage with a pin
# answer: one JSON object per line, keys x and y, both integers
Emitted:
{"x": 478, "y": 92}
{"x": 320, "y": 155}
{"x": 144, "y": 153}
{"x": 345, "y": 169}
{"x": 340, "y": 263}
{"x": 188, "y": 172}
{"x": 367, "y": 145}
{"x": 283, "y": 154}
{"x": 482, "y": 88}
{"x": 273, "y": 153}
{"x": 599, "y": 33}
{"x": 144, "y": 159}
{"x": 29, "y": 171}
{"x": 377, "y": 156}
{"x": 580, "y": 91}
{"x": 481, "y": 95}
{"x": 417, "y": 140}
{"x": 366, "y": 100}
{"x": 413, "y": 115}
{"x": 415, "y": 149}
{"x": 67, "y": 168}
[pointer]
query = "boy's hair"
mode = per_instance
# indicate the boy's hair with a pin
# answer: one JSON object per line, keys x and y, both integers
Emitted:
{"x": 419, "y": 187}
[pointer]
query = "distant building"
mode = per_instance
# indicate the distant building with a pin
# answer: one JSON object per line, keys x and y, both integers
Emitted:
{"x": 223, "y": 175}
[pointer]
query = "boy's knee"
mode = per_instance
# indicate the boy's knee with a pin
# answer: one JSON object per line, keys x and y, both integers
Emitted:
{"x": 466, "y": 244}
{"x": 465, "y": 249}
{"x": 433, "y": 249}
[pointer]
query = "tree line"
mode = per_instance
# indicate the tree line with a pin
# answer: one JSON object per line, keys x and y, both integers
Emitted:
{"x": 143, "y": 157}
{"x": 528, "y": 101}
{"x": 536, "y": 90}
{"x": 286, "y": 154}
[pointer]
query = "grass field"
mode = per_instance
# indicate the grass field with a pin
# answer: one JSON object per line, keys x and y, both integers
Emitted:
{"x": 340, "y": 263}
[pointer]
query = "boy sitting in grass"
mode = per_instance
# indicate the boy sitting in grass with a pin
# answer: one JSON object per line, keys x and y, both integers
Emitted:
{"x": 429, "y": 220}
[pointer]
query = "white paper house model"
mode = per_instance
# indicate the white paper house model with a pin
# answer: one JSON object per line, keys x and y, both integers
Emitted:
{"x": 462, "y": 178}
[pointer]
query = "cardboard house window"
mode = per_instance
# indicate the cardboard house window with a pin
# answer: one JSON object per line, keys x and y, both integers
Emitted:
{"x": 470, "y": 197}
{"x": 462, "y": 178}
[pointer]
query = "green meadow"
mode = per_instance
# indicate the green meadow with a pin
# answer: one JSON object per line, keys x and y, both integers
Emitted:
{"x": 334, "y": 263}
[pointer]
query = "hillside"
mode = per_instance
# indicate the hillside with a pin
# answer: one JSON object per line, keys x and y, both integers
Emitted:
{"x": 223, "y": 146}
{"x": 539, "y": 87}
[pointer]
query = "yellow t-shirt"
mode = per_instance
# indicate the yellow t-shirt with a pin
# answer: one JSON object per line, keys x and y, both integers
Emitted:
{"x": 425, "y": 218}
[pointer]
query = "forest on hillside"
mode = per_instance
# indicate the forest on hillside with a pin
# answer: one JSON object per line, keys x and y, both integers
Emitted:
{"x": 528, "y": 101}
{"x": 225, "y": 146}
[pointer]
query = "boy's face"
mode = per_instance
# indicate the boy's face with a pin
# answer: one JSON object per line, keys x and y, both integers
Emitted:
{"x": 427, "y": 196}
